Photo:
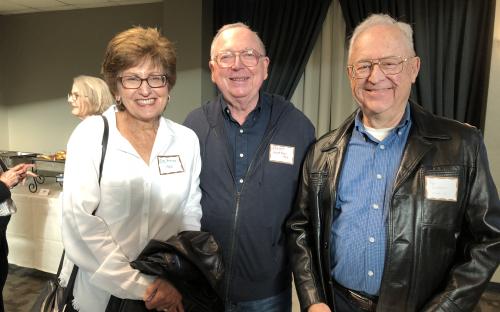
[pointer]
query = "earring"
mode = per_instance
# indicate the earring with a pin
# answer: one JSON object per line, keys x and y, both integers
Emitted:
{"x": 119, "y": 104}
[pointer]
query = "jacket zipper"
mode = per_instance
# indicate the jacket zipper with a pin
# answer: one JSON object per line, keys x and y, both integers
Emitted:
{"x": 263, "y": 143}
{"x": 233, "y": 245}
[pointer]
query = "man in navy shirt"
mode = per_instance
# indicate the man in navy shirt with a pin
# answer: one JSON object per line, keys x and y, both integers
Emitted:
{"x": 252, "y": 145}
{"x": 397, "y": 209}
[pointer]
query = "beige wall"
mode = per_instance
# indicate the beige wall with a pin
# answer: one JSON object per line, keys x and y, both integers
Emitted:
{"x": 4, "y": 135}
{"x": 183, "y": 24}
{"x": 40, "y": 53}
{"x": 492, "y": 128}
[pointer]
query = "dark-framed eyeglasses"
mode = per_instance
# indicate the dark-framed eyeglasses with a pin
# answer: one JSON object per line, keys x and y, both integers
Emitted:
{"x": 134, "y": 82}
{"x": 249, "y": 58}
{"x": 391, "y": 65}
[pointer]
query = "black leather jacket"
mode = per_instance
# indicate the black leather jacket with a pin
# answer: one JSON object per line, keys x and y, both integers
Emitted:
{"x": 192, "y": 262}
{"x": 440, "y": 254}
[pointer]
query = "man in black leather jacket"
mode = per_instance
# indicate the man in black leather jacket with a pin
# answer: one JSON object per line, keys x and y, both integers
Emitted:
{"x": 393, "y": 171}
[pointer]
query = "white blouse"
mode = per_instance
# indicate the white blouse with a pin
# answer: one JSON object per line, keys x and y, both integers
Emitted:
{"x": 136, "y": 202}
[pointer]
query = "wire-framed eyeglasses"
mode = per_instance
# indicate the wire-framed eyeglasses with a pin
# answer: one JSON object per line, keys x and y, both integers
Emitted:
{"x": 134, "y": 82}
{"x": 249, "y": 58}
{"x": 391, "y": 65}
{"x": 73, "y": 96}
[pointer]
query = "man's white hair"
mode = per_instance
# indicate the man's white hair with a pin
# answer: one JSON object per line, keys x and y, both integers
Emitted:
{"x": 383, "y": 19}
{"x": 230, "y": 26}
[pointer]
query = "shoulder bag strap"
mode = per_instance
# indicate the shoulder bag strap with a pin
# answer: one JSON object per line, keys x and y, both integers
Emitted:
{"x": 68, "y": 292}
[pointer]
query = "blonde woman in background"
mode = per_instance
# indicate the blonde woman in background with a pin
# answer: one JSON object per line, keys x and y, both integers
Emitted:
{"x": 89, "y": 96}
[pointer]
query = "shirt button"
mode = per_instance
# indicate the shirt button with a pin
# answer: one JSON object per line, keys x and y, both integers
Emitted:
{"x": 241, "y": 155}
{"x": 375, "y": 206}
{"x": 400, "y": 132}
{"x": 370, "y": 273}
{"x": 241, "y": 130}
{"x": 382, "y": 146}
{"x": 371, "y": 239}
{"x": 379, "y": 176}
{"x": 241, "y": 180}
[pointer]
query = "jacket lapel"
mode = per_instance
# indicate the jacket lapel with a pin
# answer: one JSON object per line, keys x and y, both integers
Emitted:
{"x": 425, "y": 130}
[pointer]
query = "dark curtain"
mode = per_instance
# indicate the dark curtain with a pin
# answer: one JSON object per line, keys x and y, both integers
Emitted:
{"x": 288, "y": 28}
{"x": 453, "y": 39}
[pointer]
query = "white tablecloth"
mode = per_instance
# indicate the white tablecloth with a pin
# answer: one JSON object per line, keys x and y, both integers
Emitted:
{"x": 34, "y": 232}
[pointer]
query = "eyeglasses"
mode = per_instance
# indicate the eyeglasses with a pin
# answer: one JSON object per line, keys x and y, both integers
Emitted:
{"x": 248, "y": 57}
{"x": 134, "y": 82}
{"x": 391, "y": 65}
{"x": 72, "y": 97}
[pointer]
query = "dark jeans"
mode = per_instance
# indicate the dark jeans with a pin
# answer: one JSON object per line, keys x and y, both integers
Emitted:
{"x": 4, "y": 252}
{"x": 279, "y": 303}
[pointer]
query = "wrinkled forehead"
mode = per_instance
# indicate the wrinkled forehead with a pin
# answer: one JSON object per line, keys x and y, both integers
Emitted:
{"x": 379, "y": 41}
{"x": 237, "y": 39}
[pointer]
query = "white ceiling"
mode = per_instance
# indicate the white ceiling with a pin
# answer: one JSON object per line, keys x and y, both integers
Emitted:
{"x": 30, "y": 6}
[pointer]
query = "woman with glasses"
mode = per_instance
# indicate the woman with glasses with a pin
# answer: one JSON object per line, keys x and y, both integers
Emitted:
{"x": 89, "y": 96}
{"x": 149, "y": 187}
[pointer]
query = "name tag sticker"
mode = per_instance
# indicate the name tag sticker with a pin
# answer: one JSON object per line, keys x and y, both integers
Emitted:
{"x": 170, "y": 164}
{"x": 281, "y": 154}
{"x": 441, "y": 188}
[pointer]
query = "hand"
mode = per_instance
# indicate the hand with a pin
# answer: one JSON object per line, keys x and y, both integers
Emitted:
{"x": 162, "y": 296}
{"x": 16, "y": 174}
{"x": 318, "y": 307}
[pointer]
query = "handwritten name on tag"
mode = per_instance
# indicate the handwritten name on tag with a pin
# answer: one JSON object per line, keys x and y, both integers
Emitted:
{"x": 281, "y": 154}
{"x": 170, "y": 164}
{"x": 441, "y": 188}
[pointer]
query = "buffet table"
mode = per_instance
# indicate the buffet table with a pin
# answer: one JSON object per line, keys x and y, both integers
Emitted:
{"x": 34, "y": 232}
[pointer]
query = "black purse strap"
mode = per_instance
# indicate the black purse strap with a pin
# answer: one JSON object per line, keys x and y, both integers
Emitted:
{"x": 104, "y": 145}
{"x": 68, "y": 291}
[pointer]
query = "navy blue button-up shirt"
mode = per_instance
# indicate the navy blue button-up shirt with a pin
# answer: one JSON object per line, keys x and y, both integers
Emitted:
{"x": 245, "y": 139}
{"x": 366, "y": 182}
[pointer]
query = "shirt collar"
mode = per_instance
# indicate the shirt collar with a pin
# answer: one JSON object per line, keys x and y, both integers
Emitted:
{"x": 405, "y": 121}
{"x": 227, "y": 113}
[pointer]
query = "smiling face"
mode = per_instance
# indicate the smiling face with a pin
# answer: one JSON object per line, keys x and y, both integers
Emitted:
{"x": 145, "y": 103}
{"x": 239, "y": 84}
{"x": 383, "y": 98}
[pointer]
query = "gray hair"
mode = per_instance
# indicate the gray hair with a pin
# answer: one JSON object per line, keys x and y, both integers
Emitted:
{"x": 231, "y": 26}
{"x": 383, "y": 19}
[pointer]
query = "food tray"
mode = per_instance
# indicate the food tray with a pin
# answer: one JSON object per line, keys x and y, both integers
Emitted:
{"x": 13, "y": 158}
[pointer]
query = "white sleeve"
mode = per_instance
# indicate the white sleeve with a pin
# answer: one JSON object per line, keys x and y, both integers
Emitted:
{"x": 87, "y": 238}
{"x": 192, "y": 207}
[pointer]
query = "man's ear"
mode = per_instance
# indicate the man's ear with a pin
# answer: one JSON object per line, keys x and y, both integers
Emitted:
{"x": 415, "y": 68}
{"x": 211, "y": 65}
{"x": 266, "y": 65}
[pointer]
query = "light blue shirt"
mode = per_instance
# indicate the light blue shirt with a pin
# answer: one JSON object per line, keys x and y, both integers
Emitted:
{"x": 358, "y": 234}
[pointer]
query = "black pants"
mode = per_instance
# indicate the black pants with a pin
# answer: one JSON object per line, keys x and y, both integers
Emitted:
{"x": 4, "y": 251}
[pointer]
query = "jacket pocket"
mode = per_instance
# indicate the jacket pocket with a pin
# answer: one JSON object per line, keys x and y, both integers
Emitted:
{"x": 436, "y": 252}
{"x": 259, "y": 258}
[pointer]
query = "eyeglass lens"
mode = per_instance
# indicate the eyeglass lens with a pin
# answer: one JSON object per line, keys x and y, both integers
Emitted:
{"x": 72, "y": 97}
{"x": 134, "y": 82}
{"x": 388, "y": 66}
{"x": 248, "y": 57}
